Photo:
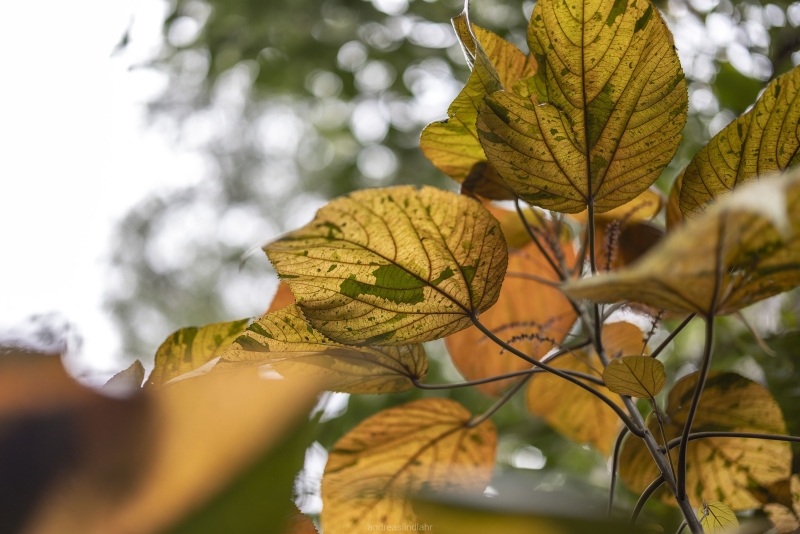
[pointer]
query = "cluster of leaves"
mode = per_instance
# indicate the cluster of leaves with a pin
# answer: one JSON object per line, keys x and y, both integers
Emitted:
{"x": 579, "y": 129}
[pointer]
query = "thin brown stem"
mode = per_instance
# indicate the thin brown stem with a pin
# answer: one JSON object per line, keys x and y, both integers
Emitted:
{"x": 558, "y": 372}
{"x": 648, "y": 492}
{"x": 749, "y": 435}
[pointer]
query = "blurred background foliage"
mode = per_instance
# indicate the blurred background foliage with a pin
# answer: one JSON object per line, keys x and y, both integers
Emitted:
{"x": 294, "y": 102}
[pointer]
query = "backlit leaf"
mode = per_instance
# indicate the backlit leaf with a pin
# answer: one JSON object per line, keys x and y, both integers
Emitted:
{"x": 423, "y": 444}
{"x": 642, "y": 208}
{"x": 452, "y": 145}
{"x": 619, "y": 245}
{"x": 757, "y": 233}
{"x": 517, "y": 235}
{"x": 394, "y": 265}
{"x": 530, "y": 315}
{"x": 191, "y": 348}
{"x": 573, "y": 412}
{"x": 717, "y": 468}
{"x": 286, "y": 342}
{"x": 719, "y": 518}
{"x": 764, "y": 140}
{"x": 605, "y": 112}
{"x": 782, "y": 504}
{"x": 635, "y": 376}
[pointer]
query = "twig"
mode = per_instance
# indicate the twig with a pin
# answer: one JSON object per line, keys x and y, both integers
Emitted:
{"x": 750, "y": 435}
{"x": 648, "y": 492}
{"x": 635, "y": 430}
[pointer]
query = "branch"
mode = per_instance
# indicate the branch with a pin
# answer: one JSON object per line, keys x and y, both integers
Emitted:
{"x": 635, "y": 430}
{"x": 752, "y": 435}
{"x": 664, "y": 344}
{"x": 614, "y": 468}
{"x": 648, "y": 492}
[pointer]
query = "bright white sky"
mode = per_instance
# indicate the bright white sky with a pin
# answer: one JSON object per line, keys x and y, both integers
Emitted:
{"x": 75, "y": 155}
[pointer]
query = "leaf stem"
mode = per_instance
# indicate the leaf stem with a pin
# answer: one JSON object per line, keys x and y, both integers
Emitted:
{"x": 611, "y": 309}
{"x": 536, "y": 370}
{"x": 591, "y": 236}
{"x": 663, "y": 433}
{"x": 751, "y": 435}
{"x": 681, "y": 527}
{"x": 701, "y": 380}
{"x": 615, "y": 468}
{"x": 499, "y": 404}
{"x": 648, "y": 492}
{"x": 635, "y": 430}
{"x": 664, "y": 344}
{"x": 698, "y": 391}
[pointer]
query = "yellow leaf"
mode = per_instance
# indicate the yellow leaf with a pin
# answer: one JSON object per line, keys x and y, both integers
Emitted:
{"x": 756, "y": 234}
{"x": 452, "y": 145}
{"x": 190, "y": 348}
{"x": 283, "y": 297}
{"x": 718, "y": 518}
{"x": 423, "y": 444}
{"x": 619, "y": 245}
{"x": 286, "y": 342}
{"x": 782, "y": 504}
{"x": 718, "y": 468}
{"x": 764, "y": 140}
{"x": 635, "y": 376}
{"x": 573, "y": 412}
{"x": 605, "y": 112}
{"x": 528, "y": 314}
{"x": 394, "y": 266}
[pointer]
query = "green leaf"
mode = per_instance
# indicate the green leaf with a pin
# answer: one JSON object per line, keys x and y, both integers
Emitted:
{"x": 394, "y": 266}
{"x": 605, "y": 112}
{"x": 452, "y": 145}
{"x": 190, "y": 348}
{"x": 718, "y": 518}
{"x": 635, "y": 376}
{"x": 766, "y": 139}
{"x": 286, "y": 342}
{"x": 756, "y": 234}
{"x": 424, "y": 444}
{"x": 723, "y": 469}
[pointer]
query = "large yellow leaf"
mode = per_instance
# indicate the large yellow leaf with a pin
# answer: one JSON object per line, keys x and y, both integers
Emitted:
{"x": 286, "y": 342}
{"x": 423, "y": 444}
{"x": 756, "y": 234}
{"x": 452, "y": 145}
{"x": 530, "y": 315}
{"x": 394, "y": 266}
{"x": 763, "y": 140}
{"x": 190, "y": 348}
{"x": 718, "y": 468}
{"x": 605, "y": 112}
{"x": 573, "y": 412}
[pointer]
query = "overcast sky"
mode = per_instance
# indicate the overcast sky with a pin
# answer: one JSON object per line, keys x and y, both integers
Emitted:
{"x": 75, "y": 155}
